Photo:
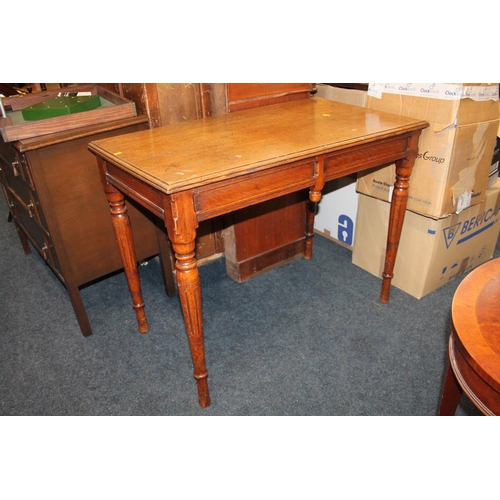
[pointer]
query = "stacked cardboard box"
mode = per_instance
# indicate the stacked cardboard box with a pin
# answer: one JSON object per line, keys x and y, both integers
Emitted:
{"x": 451, "y": 225}
{"x": 452, "y": 168}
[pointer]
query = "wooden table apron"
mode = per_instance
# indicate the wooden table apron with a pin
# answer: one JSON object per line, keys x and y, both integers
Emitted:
{"x": 193, "y": 171}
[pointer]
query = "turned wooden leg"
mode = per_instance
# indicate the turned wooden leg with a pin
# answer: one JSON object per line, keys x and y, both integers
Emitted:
{"x": 124, "y": 239}
{"x": 396, "y": 219}
{"x": 181, "y": 224}
{"x": 309, "y": 233}
{"x": 312, "y": 205}
{"x": 397, "y": 214}
{"x": 166, "y": 259}
{"x": 189, "y": 289}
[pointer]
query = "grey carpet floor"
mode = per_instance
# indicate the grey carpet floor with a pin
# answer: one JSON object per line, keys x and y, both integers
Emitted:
{"x": 308, "y": 338}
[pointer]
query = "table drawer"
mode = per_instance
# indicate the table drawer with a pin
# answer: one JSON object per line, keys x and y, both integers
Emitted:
{"x": 240, "y": 192}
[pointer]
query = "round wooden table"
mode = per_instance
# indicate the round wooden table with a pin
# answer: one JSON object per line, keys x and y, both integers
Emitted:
{"x": 474, "y": 346}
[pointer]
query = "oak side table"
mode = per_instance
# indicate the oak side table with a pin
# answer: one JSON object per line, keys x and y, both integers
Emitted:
{"x": 192, "y": 171}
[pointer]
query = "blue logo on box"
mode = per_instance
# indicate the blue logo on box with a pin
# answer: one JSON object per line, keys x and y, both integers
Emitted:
{"x": 450, "y": 233}
{"x": 345, "y": 231}
{"x": 470, "y": 227}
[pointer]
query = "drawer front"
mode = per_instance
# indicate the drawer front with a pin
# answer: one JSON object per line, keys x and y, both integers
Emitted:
{"x": 35, "y": 208}
{"x": 26, "y": 171}
{"x": 12, "y": 175}
{"x": 240, "y": 192}
{"x": 38, "y": 236}
{"x": 30, "y": 204}
{"x": 30, "y": 225}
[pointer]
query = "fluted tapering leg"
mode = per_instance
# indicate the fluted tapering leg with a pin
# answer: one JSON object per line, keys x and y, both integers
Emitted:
{"x": 188, "y": 285}
{"x": 181, "y": 224}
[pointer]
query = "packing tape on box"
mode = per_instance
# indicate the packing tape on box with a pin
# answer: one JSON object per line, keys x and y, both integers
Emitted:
{"x": 446, "y": 91}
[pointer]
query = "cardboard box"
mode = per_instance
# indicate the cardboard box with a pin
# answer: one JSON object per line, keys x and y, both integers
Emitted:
{"x": 443, "y": 105}
{"x": 494, "y": 163}
{"x": 336, "y": 216}
{"x": 453, "y": 165}
{"x": 337, "y": 209}
{"x": 347, "y": 96}
{"x": 432, "y": 252}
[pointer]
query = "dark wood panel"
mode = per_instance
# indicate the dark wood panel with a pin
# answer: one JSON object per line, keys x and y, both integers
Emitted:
{"x": 261, "y": 237}
{"x": 246, "y": 91}
{"x": 79, "y": 209}
{"x": 243, "y": 96}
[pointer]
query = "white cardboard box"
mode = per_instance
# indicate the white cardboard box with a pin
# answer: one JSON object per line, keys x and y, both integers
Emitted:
{"x": 336, "y": 216}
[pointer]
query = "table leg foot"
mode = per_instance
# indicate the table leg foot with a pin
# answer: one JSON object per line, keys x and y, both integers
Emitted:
{"x": 142, "y": 321}
{"x": 386, "y": 289}
{"x": 203, "y": 393}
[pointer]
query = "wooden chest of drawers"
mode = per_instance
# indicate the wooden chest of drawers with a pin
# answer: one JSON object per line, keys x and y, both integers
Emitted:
{"x": 58, "y": 205}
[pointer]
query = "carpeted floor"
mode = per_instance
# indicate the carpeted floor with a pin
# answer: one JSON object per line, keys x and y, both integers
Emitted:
{"x": 308, "y": 338}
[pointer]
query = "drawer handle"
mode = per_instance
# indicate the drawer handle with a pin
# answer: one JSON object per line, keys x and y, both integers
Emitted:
{"x": 30, "y": 208}
{"x": 45, "y": 250}
{"x": 15, "y": 168}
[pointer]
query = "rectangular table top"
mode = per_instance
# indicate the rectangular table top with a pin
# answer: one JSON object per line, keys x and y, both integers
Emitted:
{"x": 183, "y": 156}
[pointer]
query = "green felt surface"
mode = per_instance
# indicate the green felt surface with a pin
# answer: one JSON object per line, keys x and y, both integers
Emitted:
{"x": 17, "y": 116}
{"x": 61, "y": 106}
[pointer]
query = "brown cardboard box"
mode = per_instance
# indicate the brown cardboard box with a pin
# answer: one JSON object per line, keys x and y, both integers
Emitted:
{"x": 347, "y": 96}
{"x": 443, "y": 105}
{"x": 453, "y": 165}
{"x": 432, "y": 252}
